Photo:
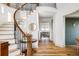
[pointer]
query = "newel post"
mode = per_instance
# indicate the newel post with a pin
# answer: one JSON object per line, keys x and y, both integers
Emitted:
{"x": 29, "y": 45}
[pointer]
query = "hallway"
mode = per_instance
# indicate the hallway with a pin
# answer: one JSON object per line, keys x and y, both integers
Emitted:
{"x": 51, "y": 50}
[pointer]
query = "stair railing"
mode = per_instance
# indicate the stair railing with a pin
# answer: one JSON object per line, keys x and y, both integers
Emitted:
{"x": 21, "y": 35}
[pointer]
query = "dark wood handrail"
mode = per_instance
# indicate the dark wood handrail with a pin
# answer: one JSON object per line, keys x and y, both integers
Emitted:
{"x": 27, "y": 35}
{"x": 15, "y": 22}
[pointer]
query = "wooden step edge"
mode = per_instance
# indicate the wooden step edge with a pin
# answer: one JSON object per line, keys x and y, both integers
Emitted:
{"x": 7, "y": 30}
{"x": 8, "y": 39}
{"x": 7, "y": 34}
{"x": 8, "y": 24}
{"x": 6, "y": 27}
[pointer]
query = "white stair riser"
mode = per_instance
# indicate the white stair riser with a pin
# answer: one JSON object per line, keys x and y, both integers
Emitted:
{"x": 6, "y": 36}
{"x": 8, "y": 23}
{"x": 17, "y": 52}
{"x": 6, "y": 32}
{"x": 7, "y": 29}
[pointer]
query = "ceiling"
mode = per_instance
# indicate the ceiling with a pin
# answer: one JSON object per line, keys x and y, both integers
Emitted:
{"x": 44, "y": 9}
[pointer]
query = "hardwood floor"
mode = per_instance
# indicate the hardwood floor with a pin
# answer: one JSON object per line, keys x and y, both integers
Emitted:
{"x": 49, "y": 49}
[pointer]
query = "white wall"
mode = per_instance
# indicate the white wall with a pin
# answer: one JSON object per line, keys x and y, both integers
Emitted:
{"x": 33, "y": 18}
{"x": 6, "y": 14}
{"x": 58, "y": 30}
{"x": 3, "y": 14}
{"x": 66, "y": 6}
{"x": 48, "y": 4}
{"x": 59, "y": 22}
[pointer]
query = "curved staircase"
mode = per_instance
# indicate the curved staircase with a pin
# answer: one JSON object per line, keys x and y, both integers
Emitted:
{"x": 14, "y": 34}
{"x": 7, "y": 34}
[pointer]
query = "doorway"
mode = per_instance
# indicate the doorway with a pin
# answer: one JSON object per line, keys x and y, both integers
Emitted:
{"x": 71, "y": 30}
{"x": 44, "y": 32}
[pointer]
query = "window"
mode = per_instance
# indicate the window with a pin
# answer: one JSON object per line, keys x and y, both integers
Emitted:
{"x": 9, "y": 16}
{"x": 2, "y": 9}
{"x": 44, "y": 26}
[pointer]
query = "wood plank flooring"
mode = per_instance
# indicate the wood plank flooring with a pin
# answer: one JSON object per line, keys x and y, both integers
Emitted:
{"x": 49, "y": 49}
